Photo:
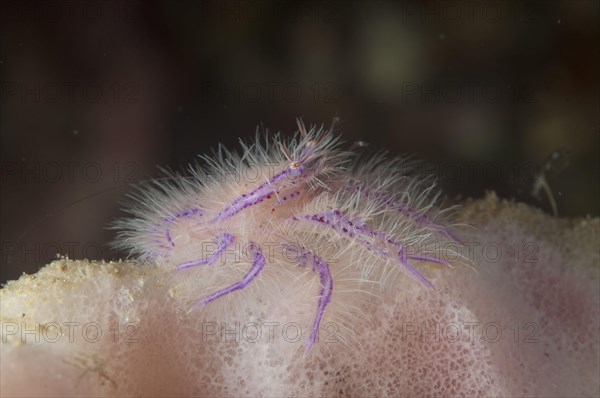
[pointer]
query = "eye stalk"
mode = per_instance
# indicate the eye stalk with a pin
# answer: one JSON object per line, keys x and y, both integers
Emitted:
{"x": 295, "y": 169}
{"x": 307, "y": 154}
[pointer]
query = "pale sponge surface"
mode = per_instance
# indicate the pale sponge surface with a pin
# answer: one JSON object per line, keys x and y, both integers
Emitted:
{"x": 523, "y": 322}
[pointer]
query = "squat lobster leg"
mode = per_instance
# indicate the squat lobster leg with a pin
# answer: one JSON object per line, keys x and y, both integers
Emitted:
{"x": 193, "y": 212}
{"x": 402, "y": 208}
{"x": 258, "y": 262}
{"x": 375, "y": 241}
{"x": 224, "y": 241}
{"x": 320, "y": 266}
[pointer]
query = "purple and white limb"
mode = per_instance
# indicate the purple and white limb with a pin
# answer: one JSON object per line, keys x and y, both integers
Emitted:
{"x": 258, "y": 262}
{"x": 171, "y": 219}
{"x": 361, "y": 233}
{"x": 318, "y": 265}
{"x": 167, "y": 231}
{"x": 223, "y": 241}
{"x": 291, "y": 176}
{"x": 404, "y": 209}
{"x": 264, "y": 191}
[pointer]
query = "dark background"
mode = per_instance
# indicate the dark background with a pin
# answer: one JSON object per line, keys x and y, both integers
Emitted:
{"x": 95, "y": 94}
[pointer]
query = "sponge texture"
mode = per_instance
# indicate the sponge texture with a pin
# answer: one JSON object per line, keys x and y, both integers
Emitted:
{"x": 523, "y": 322}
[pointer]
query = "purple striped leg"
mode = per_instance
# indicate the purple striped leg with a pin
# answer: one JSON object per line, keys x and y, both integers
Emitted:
{"x": 223, "y": 240}
{"x": 171, "y": 219}
{"x": 404, "y": 209}
{"x": 258, "y": 262}
{"x": 318, "y": 265}
{"x": 375, "y": 241}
